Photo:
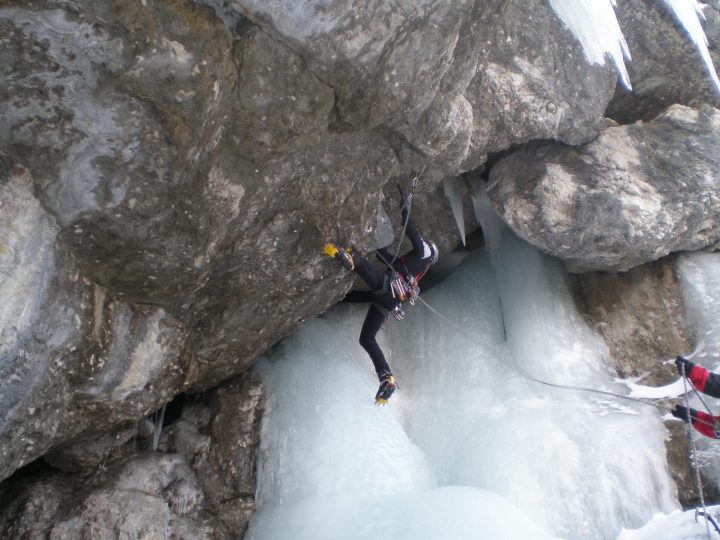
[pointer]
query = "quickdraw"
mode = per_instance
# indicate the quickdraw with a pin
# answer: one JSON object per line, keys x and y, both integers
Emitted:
{"x": 403, "y": 289}
{"x": 413, "y": 288}
{"x": 398, "y": 287}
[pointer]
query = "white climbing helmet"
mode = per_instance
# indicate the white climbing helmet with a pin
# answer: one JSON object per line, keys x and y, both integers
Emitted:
{"x": 434, "y": 253}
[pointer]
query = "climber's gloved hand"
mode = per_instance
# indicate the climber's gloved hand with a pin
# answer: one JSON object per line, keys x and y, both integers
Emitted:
{"x": 681, "y": 413}
{"x": 683, "y": 364}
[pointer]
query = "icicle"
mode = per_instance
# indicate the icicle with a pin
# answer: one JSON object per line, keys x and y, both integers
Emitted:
{"x": 488, "y": 220}
{"x": 451, "y": 186}
{"x": 158, "y": 419}
{"x": 384, "y": 235}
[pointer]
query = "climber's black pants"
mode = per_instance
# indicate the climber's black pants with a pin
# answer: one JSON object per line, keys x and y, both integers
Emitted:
{"x": 382, "y": 303}
{"x": 372, "y": 325}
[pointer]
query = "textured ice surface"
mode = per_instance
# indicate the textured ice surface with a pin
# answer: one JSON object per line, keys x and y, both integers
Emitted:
{"x": 467, "y": 447}
{"x": 674, "y": 526}
{"x": 451, "y": 187}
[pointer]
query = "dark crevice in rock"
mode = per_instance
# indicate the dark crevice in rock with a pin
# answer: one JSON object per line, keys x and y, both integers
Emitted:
{"x": 495, "y": 157}
{"x": 38, "y": 467}
{"x": 6, "y": 167}
{"x": 235, "y": 22}
{"x": 173, "y": 409}
{"x": 336, "y": 122}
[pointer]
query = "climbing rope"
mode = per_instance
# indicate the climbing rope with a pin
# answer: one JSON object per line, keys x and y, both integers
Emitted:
{"x": 707, "y": 409}
{"x": 694, "y": 457}
{"x": 407, "y": 202}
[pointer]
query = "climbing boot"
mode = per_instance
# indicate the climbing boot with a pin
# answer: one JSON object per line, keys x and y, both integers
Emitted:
{"x": 342, "y": 255}
{"x": 387, "y": 387}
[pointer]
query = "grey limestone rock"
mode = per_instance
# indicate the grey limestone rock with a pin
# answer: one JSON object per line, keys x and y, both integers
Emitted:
{"x": 72, "y": 357}
{"x": 148, "y": 497}
{"x": 456, "y": 79}
{"x": 633, "y": 195}
{"x": 200, "y": 484}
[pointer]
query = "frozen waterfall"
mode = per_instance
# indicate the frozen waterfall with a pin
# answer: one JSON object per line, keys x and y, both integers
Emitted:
{"x": 467, "y": 447}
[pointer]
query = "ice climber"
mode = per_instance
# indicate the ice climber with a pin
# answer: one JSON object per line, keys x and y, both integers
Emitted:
{"x": 707, "y": 383}
{"x": 391, "y": 288}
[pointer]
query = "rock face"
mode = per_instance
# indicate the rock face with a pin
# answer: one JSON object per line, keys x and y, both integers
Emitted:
{"x": 633, "y": 195}
{"x": 177, "y": 177}
{"x": 201, "y": 484}
{"x": 74, "y": 357}
{"x": 641, "y": 317}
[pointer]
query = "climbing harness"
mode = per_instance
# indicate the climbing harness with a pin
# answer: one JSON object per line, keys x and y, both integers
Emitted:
{"x": 694, "y": 461}
{"x": 413, "y": 289}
